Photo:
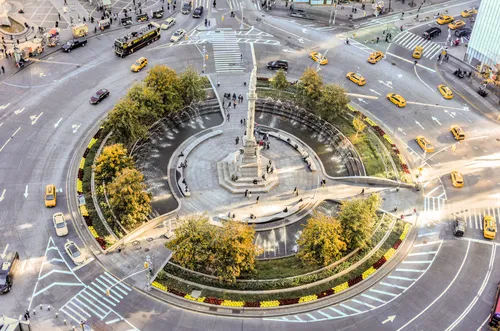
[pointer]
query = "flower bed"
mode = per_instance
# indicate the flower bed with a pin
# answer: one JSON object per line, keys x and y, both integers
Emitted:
{"x": 307, "y": 298}
{"x": 87, "y": 211}
{"x": 397, "y": 156}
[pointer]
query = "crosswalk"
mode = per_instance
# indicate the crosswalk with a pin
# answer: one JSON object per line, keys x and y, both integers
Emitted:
{"x": 227, "y": 53}
{"x": 92, "y": 301}
{"x": 474, "y": 216}
{"x": 235, "y": 4}
{"x": 410, "y": 40}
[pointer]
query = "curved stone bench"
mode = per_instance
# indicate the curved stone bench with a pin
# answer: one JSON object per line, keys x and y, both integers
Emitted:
{"x": 305, "y": 156}
{"x": 181, "y": 180}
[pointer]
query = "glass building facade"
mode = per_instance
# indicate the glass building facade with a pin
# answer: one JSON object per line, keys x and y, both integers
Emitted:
{"x": 484, "y": 44}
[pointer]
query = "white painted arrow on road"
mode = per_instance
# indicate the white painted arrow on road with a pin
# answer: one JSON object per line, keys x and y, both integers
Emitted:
{"x": 361, "y": 100}
{"x": 75, "y": 127}
{"x": 452, "y": 114}
{"x": 304, "y": 30}
{"x": 57, "y": 124}
{"x": 5, "y": 251}
{"x": 420, "y": 125}
{"x": 436, "y": 120}
{"x": 35, "y": 118}
{"x": 2, "y": 107}
{"x": 3, "y": 195}
{"x": 26, "y": 192}
{"x": 466, "y": 108}
{"x": 388, "y": 84}
{"x": 289, "y": 51}
{"x": 375, "y": 91}
{"x": 401, "y": 130}
{"x": 400, "y": 76}
{"x": 389, "y": 319}
{"x": 301, "y": 40}
{"x": 19, "y": 111}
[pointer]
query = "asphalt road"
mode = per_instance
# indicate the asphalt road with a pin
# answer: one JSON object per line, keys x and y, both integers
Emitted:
{"x": 45, "y": 113}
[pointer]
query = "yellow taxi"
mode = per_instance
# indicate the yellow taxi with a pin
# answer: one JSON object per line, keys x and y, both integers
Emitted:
{"x": 468, "y": 12}
{"x": 457, "y": 179}
{"x": 444, "y": 19}
{"x": 445, "y": 91}
{"x": 396, "y": 99}
{"x": 375, "y": 57}
{"x": 425, "y": 144}
{"x": 139, "y": 64}
{"x": 318, "y": 57}
{"x": 417, "y": 53}
{"x": 50, "y": 195}
{"x": 356, "y": 78}
{"x": 490, "y": 227}
{"x": 457, "y": 132}
{"x": 456, "y": 25}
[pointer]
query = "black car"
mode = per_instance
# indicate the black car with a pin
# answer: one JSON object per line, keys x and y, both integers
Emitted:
{"x": 431, "y": 33}
{"x": 459, "y": 227}
{"x": 299, "y": 14}
{"x": 278, "y": 64}
{"x": 7, "y": 269}
{"x": 99, "y": 96}
{"x": 198, "y": 11}
{"x": 465, "y": 32}
{"x": 72, "y": 44}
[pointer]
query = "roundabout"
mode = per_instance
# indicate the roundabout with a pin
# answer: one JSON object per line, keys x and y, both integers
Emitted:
{"x": 435, "y": 281}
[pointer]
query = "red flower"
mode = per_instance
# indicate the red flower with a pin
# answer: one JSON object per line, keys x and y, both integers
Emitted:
{"x": 251, "y": 304}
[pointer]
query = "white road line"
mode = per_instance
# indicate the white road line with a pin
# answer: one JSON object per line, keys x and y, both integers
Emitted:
{"x": 364, "y": 303}
{"x": 372, "y": 298}
{"x": 423, "y": 253}
{"x": 298, "y": 318}
{"x": 103, "y": 290}
{"x": 429, "y": 243}
{"x": 337, "y": 311}
{"x": 406, "y": 60}
{"x": 100, "y": 295}
{"x": 91, "y": 310}
{"x": 395, "y": 286}
{"x": 112, "y": 284}
{"x": 71, "y": 316}
{"x": 383, "y": 292}
{"x": 416, "y": 262}
{"x": 93, "y": 304}
{"x": 427, "y": 234}
{"x": 74, "y": 312}
{"x": 350, "y": 308}
{"x": 311, "y": 316}
{"x": 324, "y": 314}
{"x": 96, "y": 300}
{"x": 402, "y": 278}
{"x": 409, "y": 270}
{"x": 1, "y": 149}
{"x": 445, "y": 290}
{"x": 5, "y": 251}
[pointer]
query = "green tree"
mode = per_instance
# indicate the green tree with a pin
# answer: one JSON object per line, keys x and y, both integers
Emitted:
{"x": 357, "y": 218}
{"x": 309, "y": 88}
{"x": 234, "y": 250}
{"x": 128, "y": 198}
{"x": 124, "y": 121}
{"x": 192, "y": 244}
{"x": 279, "y": 81}
{"x": 148, "y": 103}
{"x": 333, "y": 101}
{"x": 192, "y": 86}
{"x": 112, "y": 160}
{"x": 359, "y": 124}
{"x": 165, "y": 82}
{"x": 321, "y": 240}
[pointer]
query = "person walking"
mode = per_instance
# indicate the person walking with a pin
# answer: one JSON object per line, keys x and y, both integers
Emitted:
{"x": 234, "y": 96}
{"x": 228, "y": 116}
{"x": 3, "y": 70}
{"x": 241, "y": 121}
{"x": 264, "y": 177}
{"x": 295, "y": 190}
{"x": 267, "y": 168}
{"x": 237, "y": 140}
{"x": 257, "y": 200}
{"x": 271, "y": 171}
{"x": 249, "y": 194}
{"x": 378, "y": 38}
{"x": 246, "y": 193}
{"x": 234, "y": 104}
{"x": 229, "y": 104}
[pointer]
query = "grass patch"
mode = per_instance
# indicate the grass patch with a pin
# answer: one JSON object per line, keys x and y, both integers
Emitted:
{"x": 393, "y": 237}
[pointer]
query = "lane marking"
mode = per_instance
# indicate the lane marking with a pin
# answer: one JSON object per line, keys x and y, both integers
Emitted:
{"x": 372, "y": 298}
{"x": 350, "y": 308}
{"x": 418, "y": 76}
{"x": 409, "y": 270}
{"x": 383, "y": 292}
{"x": 1, "y": 149}
{"x": 5, "y": 251}
{"x": 412, "y": 262}
{"x": 406, "y": 60}
{"x": 395, "y": 286}
{"x": 324, "y": 314}
{"x": 293, "y": 34}
{"x": 83, "y": 265}
{"x": 423, "y": 253}
{"x": 429, "y": 243}
{"x": 402, "y": 278}
{"x": 337, "y": 311}
{"x": 364, "y": 303}
{"x": 442, "y": 293}
{"x": 427, "y": 234}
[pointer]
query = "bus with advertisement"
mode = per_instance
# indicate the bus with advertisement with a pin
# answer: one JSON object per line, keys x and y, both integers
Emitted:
{"x": 137, "y": 39}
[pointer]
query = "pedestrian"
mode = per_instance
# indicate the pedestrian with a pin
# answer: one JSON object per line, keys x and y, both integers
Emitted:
{"x": 264, "y": 177}
{"x": 267, "y": 168}
{"x": 209, "y": 23}
{"x": 234, "y": 104}
{"x": 244, "y": 121}
{"x": 378, "y": 39}
{"x": 228, "y": 116}
{"x": 297, "y": 193}
{"x": 237, "y": 140}
{"x": 415, "y": 62}
{"x": 268, "y": 145}
{"x": 402, "y": 15}
{"x": 286, "y": 4}
{"x": 362, "y": 191}
{"x": 241, "y": 121}
{"x": 249, "y": 194}
{"x": 110, "y": 20}
{"x": 246, "y": 193}
{"x": 270, "y": 163}
{"x": 27, "y": 314}
{"x": 59, "y": 15}
{"x": 419, "y": 8}
{"x": 234, "y": 96}
{"x": 65, "y": 3}
{"x": 439, "y": 57}
{"x": 229, "y": 104}
{"x": 95, "y": 29}
{"x": 206, "y": 22}
{"x": 295, "y": 190}
{"x": 257, "y": 200}
{"x": 401, "y": 28}
{"x": 271, "y": 171}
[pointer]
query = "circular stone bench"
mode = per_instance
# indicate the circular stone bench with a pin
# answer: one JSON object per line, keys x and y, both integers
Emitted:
{"x": 305, "y": 156}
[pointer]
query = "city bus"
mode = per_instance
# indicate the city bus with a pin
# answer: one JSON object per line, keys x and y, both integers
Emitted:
{"x": 495, "y": 312}
{"x": 137, "y": 39}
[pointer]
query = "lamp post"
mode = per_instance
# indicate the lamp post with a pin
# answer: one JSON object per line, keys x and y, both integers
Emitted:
{"x": 333, "y": 12}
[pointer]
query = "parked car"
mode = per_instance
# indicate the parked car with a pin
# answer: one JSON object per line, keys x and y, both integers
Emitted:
{"x": 74, "y": 252}
{"x": 198, "y": 11}
{"x": 99, "y": 96}
{"x": 72, "y": 44}
{"x": 278, "y": 64}
{"x": 7, "y": 270}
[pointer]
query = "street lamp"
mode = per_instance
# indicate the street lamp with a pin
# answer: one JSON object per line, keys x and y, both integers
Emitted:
{"x": 334, "y": 6}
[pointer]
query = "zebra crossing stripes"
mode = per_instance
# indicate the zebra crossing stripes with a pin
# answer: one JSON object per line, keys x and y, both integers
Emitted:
{"x": 473, "y": 217}
{"x": 227, "y": 54}
{"x": 93, "y": 301}
{"x": 410, "y": 40}
{"x": 234, "y": 4}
